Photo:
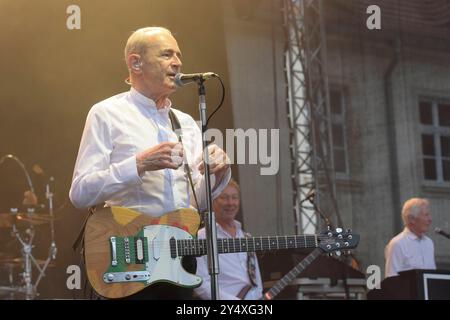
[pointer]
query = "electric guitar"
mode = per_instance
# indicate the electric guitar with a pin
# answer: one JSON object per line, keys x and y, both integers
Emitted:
{"x": 291, "y": 275}
{"x": 126, "y": 251}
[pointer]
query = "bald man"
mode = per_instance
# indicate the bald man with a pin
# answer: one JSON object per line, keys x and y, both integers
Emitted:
{"x": 411, "y": 249}
{"x": 130, "y": 155}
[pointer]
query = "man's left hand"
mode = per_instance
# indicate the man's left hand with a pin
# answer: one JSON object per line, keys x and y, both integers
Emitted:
{"x": 218, "y": 162}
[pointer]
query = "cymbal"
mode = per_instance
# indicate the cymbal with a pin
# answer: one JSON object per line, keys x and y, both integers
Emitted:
{"x": 23, "y": 219}
{"x": 17, "y": 262}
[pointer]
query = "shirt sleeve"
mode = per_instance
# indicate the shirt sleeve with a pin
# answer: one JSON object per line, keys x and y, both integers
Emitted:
{"x": 95, "y": 179}
{"x": 394, "y": 258}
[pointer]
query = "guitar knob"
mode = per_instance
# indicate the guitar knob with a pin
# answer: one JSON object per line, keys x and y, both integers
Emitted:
{"x": 349, "y": 230}
{"x": 339, "y": 230}
{"x": 338, "y": 253}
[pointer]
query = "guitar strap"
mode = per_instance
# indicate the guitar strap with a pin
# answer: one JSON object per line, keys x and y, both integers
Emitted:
{"x": 176, "y": 127}
{"x": 80, "y": 238}
{"x": 251, "y": 264}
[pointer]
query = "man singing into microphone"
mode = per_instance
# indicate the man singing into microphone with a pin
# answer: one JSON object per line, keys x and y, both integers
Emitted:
{"x": 411, "y": 249}
{"x": 130, "y": 154}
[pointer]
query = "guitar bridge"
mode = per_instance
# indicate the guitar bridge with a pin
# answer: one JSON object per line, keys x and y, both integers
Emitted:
{"x": 132, "y": 276}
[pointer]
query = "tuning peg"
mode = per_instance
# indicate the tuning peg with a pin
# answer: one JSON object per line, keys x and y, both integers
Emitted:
{"x": 338, "y": 253}
{"x": 349, "y": 230}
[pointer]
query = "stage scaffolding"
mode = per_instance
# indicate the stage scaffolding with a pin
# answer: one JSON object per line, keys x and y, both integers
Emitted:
{"x": 311, "y": 141}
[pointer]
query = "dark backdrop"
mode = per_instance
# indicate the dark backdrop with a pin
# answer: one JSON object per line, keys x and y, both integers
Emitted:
{"x": 51, "y": 76}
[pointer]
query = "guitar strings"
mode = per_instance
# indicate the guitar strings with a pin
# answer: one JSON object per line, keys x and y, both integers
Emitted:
{"x": 198, "y": 245}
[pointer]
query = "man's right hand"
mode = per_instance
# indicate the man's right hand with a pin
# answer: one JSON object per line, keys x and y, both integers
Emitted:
{"x": 166, "y": 155}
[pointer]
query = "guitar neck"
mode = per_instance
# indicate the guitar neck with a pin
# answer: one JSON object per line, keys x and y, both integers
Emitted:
{"x": 291, "y": 275}
{"x": 250, "y": 244}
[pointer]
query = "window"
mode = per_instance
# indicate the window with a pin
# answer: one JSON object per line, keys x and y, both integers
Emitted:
{"x": 435, "y": 123}
{"x": 337, "y": 107}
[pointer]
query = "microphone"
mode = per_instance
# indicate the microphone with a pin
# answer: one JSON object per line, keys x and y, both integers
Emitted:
{"x": 183, "y": 79}
{"x": 442, "y": 232}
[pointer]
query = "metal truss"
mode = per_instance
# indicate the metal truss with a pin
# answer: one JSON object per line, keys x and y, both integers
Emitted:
{"x": 311, "y": 142}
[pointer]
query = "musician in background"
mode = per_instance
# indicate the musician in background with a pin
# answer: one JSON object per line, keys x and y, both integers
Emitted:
{"x": 411, "y": 249}
{"x": 239, "y": 276}
{"x": 130, "y": 155}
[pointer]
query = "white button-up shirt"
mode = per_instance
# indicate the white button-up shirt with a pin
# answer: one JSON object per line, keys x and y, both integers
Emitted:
{"x": 407, "y": 251}
{"x": 105, "y": 171}
{"x": 233, "y": 274}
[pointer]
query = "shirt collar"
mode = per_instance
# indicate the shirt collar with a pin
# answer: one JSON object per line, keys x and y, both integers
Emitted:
{"x": 238, "y": 227}
{"x": 411, "y": 235}
{"x": 148, "y": 103}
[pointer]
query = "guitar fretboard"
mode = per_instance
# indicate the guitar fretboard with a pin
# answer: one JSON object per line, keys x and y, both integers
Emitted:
{"x": 231, "y": 245}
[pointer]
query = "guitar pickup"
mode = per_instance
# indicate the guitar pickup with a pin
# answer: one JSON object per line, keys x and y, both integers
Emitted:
{"x": 113, "y": 242}
{"x": 139, "y": 249}
{"x": 126, "y": 242}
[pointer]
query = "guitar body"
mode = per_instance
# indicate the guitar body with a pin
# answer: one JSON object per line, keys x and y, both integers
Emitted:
{"x": 114, "y": 272}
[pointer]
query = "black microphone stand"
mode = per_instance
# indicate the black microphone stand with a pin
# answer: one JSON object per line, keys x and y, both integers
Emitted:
{"x": 210, "y": 220}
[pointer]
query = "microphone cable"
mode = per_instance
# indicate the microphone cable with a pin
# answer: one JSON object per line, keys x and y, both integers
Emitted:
{"x": 221, "y": 100}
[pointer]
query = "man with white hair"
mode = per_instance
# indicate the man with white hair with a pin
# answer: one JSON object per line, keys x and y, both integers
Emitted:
{"x": 411, "y": 249}
{"x": 130, "y": 155}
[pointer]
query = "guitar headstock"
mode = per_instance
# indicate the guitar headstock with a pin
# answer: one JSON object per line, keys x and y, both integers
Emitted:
{"x": 337, "y": 240}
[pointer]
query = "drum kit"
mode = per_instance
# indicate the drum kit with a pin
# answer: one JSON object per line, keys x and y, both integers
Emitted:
{"x": 23, "y": 226}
